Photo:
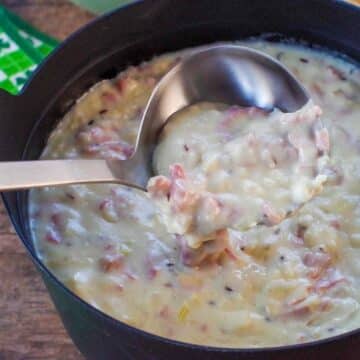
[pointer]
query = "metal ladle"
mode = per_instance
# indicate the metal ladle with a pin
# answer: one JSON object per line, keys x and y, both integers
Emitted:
{"x": 228, "y": 74}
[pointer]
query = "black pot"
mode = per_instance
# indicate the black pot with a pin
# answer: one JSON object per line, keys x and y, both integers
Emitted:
{"x": 127, "y": 36}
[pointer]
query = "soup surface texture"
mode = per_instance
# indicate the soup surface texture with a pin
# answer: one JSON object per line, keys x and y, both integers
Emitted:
{"x": 235, "y": 167}
{"x": 181, "y": 261}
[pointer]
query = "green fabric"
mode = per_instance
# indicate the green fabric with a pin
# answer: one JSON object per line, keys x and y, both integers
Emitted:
{"x": 22, "y": 48}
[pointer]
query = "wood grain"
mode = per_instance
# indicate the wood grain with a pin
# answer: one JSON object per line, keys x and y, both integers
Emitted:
{"x": 56, "y": 17}
{"x": 29, "y": 325}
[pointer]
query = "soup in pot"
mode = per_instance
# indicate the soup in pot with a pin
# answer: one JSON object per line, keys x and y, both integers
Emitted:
{"x": 249, "y": 235}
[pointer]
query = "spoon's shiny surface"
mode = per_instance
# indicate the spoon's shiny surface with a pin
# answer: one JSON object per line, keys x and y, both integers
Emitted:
{"x": 228, "y": 74}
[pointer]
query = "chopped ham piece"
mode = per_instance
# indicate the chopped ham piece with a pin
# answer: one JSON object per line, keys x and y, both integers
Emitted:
{"x": 297, "y": 312}
{"x": 331, "y": 278}
{"x": 318, "y": 262}
{"x": 104, "y": 142}
{"x": 272, "y": 217}
{"x": 53, "y": 236}
{"x": 109, "y": 98}
{"x": 317, "y": 259}
{"x": 159, "y": 186}
{"x": 151, "y": 273}
{"x": 322, "y": 140}
{"x": 165, "y": 312}
{"x": 177, "y": 172}
{"x": 110, "y": 263}
{"x": 93, "y": 135}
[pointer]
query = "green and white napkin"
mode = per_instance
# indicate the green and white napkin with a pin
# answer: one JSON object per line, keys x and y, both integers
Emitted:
{"x": 22, "y": 48}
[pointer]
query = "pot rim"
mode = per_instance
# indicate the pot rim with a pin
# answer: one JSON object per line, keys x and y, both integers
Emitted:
{"x": 137, "y": 331}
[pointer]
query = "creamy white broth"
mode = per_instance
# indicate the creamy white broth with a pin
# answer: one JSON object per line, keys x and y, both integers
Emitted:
{"x": 235, "y": 167}
{"x": 295, "y": 282}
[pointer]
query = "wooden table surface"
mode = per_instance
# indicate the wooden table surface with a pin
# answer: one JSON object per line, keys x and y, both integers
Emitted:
{"x": 29, "y": 325}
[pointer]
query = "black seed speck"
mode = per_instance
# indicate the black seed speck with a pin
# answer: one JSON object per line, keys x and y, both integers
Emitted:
{"x": 91, "y": 122}
{"x": 282, "y": 258}
{"x": 242, "y": 248}
{"x": 267, "y": 319}
{"x": 212, "y": 303}
{"x": 103, "y": 111}
{"x": 303, "y": 60}
{"x": 186, "y": 148}
{"x": 279, "y": 55}
{"x": 228, "y": 288}
{"x": 331, "y": 329}
{"x": 170, "y": 264}
{"x": 70, "y": 196}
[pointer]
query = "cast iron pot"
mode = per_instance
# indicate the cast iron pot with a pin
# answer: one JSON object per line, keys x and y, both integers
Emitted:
{"x": 128, "y": 36}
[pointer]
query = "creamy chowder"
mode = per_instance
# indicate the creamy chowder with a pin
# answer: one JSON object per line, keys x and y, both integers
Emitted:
{"x": 185, "y": 261}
